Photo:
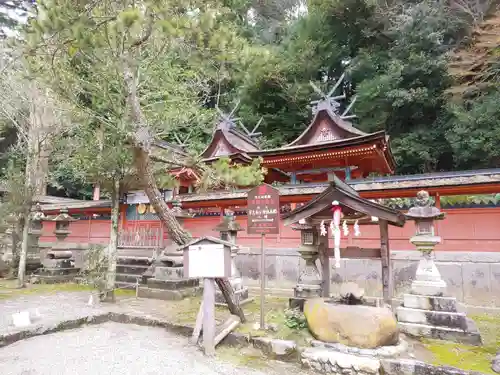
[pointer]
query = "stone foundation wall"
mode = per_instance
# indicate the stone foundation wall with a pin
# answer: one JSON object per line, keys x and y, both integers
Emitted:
{"x": 472, "y": 277}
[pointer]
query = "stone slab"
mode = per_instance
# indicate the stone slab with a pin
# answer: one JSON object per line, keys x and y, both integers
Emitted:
{"x": 428, "y": 288}
{"x": 172, "y": 284}
{"x": 384, "y": 351}
{"x": 168, "y": 273}
{"x": 434, "y": 303}
{"x": 331, "y": 362}
{"x": 433, "y": 318}
{"x": 471, "y": 337}
{"x": 167, "y": 295}
{"x": 413, "y": 367}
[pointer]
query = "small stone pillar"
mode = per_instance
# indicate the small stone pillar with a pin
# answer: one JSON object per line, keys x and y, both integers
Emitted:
{"x": 309, "y": 284}
{"x": 228, "y": 230}
{"x": 426, "y": 312}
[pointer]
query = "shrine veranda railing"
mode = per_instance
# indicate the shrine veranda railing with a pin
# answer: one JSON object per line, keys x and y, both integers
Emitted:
{"x": 141, "y": 237}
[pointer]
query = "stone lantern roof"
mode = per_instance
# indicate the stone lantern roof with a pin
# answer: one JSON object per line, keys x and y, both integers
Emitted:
{"x": 423, "y": 210}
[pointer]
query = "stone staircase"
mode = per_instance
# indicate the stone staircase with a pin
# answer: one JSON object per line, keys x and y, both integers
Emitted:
{"x": 132, "y": 264}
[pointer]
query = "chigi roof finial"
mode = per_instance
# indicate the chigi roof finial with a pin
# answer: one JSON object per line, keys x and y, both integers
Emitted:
{"x": 330, "y": 102}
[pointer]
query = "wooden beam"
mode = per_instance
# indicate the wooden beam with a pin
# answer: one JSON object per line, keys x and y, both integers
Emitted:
{"x": 385, "y": 252}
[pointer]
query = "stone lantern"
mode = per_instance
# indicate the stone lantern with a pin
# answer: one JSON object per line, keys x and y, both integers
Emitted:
{"x": 63, "y": 221}
{"x": 59, "y": 256}
{"x": 426, "y": 311}
{"x": 228, "y": 229}
{"x": 428, "y": 280}
{"x": 36, "y": 226}
{"x": 309, "y": 284}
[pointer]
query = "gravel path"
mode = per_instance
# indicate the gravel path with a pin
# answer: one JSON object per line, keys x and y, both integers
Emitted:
{"x": 113, "y": 348}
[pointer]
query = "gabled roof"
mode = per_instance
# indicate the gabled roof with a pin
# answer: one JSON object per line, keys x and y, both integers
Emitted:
{"x": 226, "y": 140}
{"x": 208, "y": 239}
{"x": 348, "y": 198}
{"x": 333, "y": 127}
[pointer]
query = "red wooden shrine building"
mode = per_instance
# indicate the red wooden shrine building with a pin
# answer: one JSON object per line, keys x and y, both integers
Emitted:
{"x": 329, "y": 145}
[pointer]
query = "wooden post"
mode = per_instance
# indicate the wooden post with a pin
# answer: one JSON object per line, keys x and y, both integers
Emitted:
{"x": 385, "y": 253}
{"x": 325, "y": 265}
{"x": 209, "y": 316}
{"x": 262, "y": 281}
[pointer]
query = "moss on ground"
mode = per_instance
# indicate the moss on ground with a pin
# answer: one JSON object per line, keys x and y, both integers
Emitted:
{"x": 468, "y": 357}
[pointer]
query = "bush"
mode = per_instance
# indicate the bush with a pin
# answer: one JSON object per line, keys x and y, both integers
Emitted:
{"x": 295, "y": 319}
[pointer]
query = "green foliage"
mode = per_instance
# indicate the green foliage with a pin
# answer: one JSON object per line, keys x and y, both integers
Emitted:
{"x": 295, "y": 319}
{"x": 222, "y": 173}
{"x": 474, "y": 132}
{"x": 95, "y": 268}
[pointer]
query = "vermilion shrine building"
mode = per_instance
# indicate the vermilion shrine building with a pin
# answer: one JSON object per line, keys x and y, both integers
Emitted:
{"x": 329, "y": 145}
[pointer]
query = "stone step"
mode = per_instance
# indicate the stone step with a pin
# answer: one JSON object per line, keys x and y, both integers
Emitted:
{"x": 125, "y": 285}
{"x": 432, "y": 303}
{"x": 470, "y": 337}
{"x": 164, "y": 294}
{"x": 433, "y": 318}
{"x": 125, "y": 277}
{"x": 132, "y": 261}
{"x": 131, "y": 269}
{"x": 172, "y": 284}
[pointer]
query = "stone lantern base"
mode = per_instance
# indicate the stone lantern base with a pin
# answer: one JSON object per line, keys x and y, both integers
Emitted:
{"x": 240, "y": 293}
{"x": 168, "y": 281}
{"x": 427, "y": 313}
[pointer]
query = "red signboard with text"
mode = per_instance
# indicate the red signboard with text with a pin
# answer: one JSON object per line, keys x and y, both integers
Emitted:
{"x": 263, "y": 210}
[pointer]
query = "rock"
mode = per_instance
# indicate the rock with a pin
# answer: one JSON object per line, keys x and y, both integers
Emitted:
{"x": 495, "y": 364}
{"x": 351, "y": 293}
{"x": 359, "y": 326}
{"x": 284, "y": 350}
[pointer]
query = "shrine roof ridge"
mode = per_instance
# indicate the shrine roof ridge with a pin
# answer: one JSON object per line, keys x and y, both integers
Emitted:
{"x": 341, "y": 123}
{"x": 442, "y": 179}
{"x": 380, "y": 135}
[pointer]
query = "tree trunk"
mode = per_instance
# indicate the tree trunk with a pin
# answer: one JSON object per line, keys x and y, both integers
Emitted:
{"x": 112, "y": 255}
{"x": 175, "y": 231}
{"x": 142, "y": 140}
{"x": 23, "y": 256}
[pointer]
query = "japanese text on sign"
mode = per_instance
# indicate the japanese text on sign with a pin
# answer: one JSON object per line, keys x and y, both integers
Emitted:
{"x": 263, "y": 210}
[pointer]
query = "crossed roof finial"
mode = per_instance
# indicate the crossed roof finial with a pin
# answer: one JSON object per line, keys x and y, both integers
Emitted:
{"x": 328, "y": 101}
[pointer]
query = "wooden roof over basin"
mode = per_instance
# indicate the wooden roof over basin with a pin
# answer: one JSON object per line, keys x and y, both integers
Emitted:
{"x": 353, "y": 206}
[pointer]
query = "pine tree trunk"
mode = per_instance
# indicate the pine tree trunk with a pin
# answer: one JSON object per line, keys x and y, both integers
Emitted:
{"x": 175, "y": 231}
{"x": 112, "y": 255}
{"x": 142, "y": 140}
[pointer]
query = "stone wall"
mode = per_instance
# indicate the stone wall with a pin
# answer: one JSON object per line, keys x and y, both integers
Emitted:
{"x": 472, "y": 277}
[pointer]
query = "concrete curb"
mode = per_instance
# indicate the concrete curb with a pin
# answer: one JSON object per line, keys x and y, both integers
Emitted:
{"x": 233, "y": 339}
{"x": 284, "y": 350}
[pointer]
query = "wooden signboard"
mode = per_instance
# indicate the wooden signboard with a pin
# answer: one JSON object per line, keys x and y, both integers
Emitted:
{"x": 263, "y": 210}
{"x": 207, "y": 260}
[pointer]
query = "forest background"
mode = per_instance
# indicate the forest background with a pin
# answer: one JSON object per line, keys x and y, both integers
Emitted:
{"x": 427, "y": 72}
